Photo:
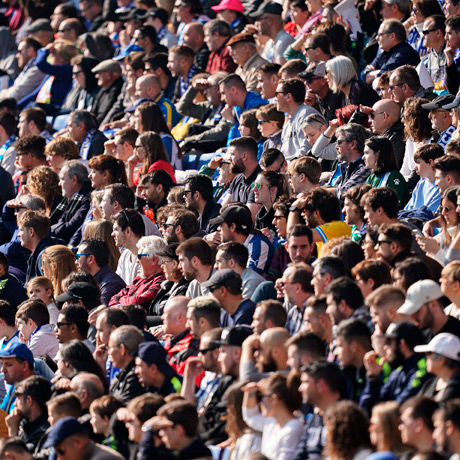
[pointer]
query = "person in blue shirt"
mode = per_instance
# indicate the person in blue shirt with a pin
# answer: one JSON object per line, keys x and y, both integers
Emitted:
{"x": 426, "y": 193}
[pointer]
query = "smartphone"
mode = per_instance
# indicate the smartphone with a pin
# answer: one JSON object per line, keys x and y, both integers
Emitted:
{"x": 418, "y": 232}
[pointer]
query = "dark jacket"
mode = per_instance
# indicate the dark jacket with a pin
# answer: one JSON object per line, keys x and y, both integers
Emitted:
{"x": 147, "y": 450}
{"x": 399, "y": 55}
{"x": 34, "y": 264}
{"x": 360, "y": 93}
{"x": 125, "y": 385}
{"x": 74, "y": 214}
{"x": 202, "y": 57}
{"x": 211, "y": 210}
{"x": 312, "y": 442}
{"x": 12, "y": 290}
{"x": 105, "y": 99}
{"x": 109, "y": 282}
{"x": 168, "y": 290}
{"x": 31, "y": 432}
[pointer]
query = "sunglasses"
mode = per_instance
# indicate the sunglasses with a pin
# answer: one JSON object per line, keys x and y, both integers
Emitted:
{"x": 77, "y": 256}
{"x": 139, "y": 256}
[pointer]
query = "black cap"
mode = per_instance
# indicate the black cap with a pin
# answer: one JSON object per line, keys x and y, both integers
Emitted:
{"x": 234, "y": 336}
{"x": 86, "y": 292}
{"x": 268, "y": 8}
{"x": 170, "y": 252}
{"x": 154, "y": 353}
{"x": 226, "y": 277}
{"x": 234, "y": 214}
{"x": 411, "y": 334}
{"x": 159, "y": 13}
{"x": 134, "y": 13}
{"x": 439, "y": 102}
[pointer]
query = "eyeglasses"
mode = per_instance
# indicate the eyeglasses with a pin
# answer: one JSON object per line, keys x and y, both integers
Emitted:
{"x": 380, "y": 242}
{"x": 279, "y": 217}
{"x": 187, "y": 191}
{"x": 383, "y": 33}
{"x": 373, "y": 115}
{"x": 139, "y": 256}
{"x": 76, "y": 73}
{"x": 445, "y": 209}
{"x": 261, "y": 122}
{"x": 258, "y": 186}
{"x": 426, "y": 32}
{"x": 59, "y": 325}
{"x": 78, "y": 255}
{"x": 280, "y": 92}
{"x": 64, "y": 30}
{"x": 310, "y": 79}
{"x": 166, "y": 225}
{"x": 139, "y": 147}
{"x": 223, "y": 162}
{"x": 205, "y": 350}
{"x": 341, "y": 141}
{"x": 284, "y": 283}
{"x": 166, "y": 261}
{"x": 392, "y": 87}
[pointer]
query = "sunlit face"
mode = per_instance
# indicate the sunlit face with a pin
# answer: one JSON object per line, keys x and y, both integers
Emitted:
{"x": 372, "y": 217}
{"x": 98, "y": 178}
{"x": 99, "y": 423}
{"x": 299, "y": 249}
{"x": 438, "y": 119}
{"x": 266, "y": 84}
{"x": 311, "y": 134}
{"x": 226, "y": 360}
{"x": 370, "y": 158}
{"x": 318, "y": 282}
{"x": 263, "y": 192}
{"x": 185, "y": 265}
{"x": 448, "y": 211}
{"x": 422, "y": 168}
{"x": 350, "y": 212}
{"x": 309, "y": 389}
{"x": 225, "y": 232}
{"x": 267, "y": 127}
{"x": 46, "y": 295}
{"x": 25, "y": 328}
{"x": 312, "y": 322}
{"x": 12, "y": 370}
{"x": 280, "y": 223}
{"x": 258, "y": 320}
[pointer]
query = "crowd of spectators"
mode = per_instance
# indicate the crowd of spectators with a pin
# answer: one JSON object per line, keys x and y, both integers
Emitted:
{"x": 230, "y": 230}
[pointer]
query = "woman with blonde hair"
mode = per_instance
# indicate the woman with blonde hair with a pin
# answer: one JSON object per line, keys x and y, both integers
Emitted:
{"x": 59, "y": 150}
{"x": 41, "y": 288}
{"x": 383, "y": 428}
{"x": 102, "y": 230}
{"x": 450, "y": 287}
{"x": 44, "y": 182}
{"x": 57, "y": 262}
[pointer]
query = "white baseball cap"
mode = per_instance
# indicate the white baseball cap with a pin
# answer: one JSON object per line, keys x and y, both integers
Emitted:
{"x": 419, "y": 294}
{"x": 444, "y": 344}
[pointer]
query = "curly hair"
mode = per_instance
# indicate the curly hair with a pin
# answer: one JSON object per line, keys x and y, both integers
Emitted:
{"x": 44, "y": 182}
{"x": 417, "y": 125}
{"x": 347, "y": 428}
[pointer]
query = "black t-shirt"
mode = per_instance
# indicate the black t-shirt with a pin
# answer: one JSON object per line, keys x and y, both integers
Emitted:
{"x": 240, "y": 188}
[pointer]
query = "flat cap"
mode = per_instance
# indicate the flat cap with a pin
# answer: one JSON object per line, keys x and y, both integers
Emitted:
{"x": 109, "y": 65}
{"x": 40, "y": 24}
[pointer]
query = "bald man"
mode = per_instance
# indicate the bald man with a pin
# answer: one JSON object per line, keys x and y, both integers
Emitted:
{"x": 386, "y": 121}
{"x": 180, "y": 343}
{"x": 87, "y": 387}
{"x": 194, "y": 37}
{"x": 149, "y": 87}
{"x": 264, "y": 354}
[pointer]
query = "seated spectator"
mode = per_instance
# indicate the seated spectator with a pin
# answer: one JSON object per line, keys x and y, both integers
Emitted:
{"x": 29, "y": 419}
{"x": 216, "y": 35}
{"x": 353, "y": 212}
{"x": 57, "y": 263}
{"x": 304, "y": 174}
{"x": 101, "y": 411}
{"x": 370, "y": 275}
{"x": 41, "y": 288}
{"x": 145, "y": 286}
{"x": 13, "y": 290}
{"x": 325, "y": 270}
{"x": 304, "y": 348}
{"x": 29, "y": 154}
{"x": 33, "y": 324}
{"x": 82, "y": 128}
{"x": 425, "y": 192}
{"x": 8, "y": 141}
{"x": 93, "y": 257}
{"x": 271, "y": 123}
{"x": 59, "y": 150}
{"x": 76, "y": 188}
{"x": 380, "y": 158}
{"x": 73, "y": 324}
{"x": 441, "y": 119}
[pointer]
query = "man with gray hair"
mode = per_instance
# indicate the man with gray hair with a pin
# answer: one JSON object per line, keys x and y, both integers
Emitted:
{"x": 393, "y": 49}
{"x": 82, "y": 128}
{"x": 87, "y": 387}
{"x": 76, "y": 187}
{"x": 216, "y": 35}
{"x": 212, "y": 132}
{"x": 145, "y": 286}
{"x": 351, "y": 169}
{"x": 123, "y": 347}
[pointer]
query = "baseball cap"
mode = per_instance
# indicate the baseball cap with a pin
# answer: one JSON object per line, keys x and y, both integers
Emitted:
{"x": 234, "y": 214}
{"x": 40, "y": 24}
{"x": 439, "y": 102}
{"x": 134, "y": 13}
{"x": 170, "y": 252}
{"x": 109, "y": 65}
{"x": 126, "y": 51}
{"x": 242, "y": 37}
{"x": 418, "y": 294}
{"x": 18, "y": 350}
{"x": 314, "y": 69}
{"x": 411, "y": 334}
{"x": 268, "y": 8}
{"x": 159, "y": 13}
{"x": 234, "y": 5}
{"x": 62, "y": 429}
{"x": 444, "y": 344}
{"x": 138, "y": 103}
{"x": 154, "y": 353}
{"x": 80, "y": 290}
{"x": 226, "y": 277}
{"x": 234, "y": 336}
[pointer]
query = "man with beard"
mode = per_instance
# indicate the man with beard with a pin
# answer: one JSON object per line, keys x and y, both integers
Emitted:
{"x": 446, "y": 432}
{"x": 28, "y": 420}
{"x": 226, "y": 287}
{"x": 409, "y": 372}
{"x": 155, "y": 187}
{"x": 198, "y": 194}
{"x": 424, "y": 306}
{"x": 243, "y": 154}
{"x": 196, "y": 262}
{"x": 304, "y": 348}
{"x": 264, "y": 354}
{"x": 203, "y": 314}
{"x": 295, "y": 286}
{"x": 321, "y": 383}
{"x": 180, "y": 225}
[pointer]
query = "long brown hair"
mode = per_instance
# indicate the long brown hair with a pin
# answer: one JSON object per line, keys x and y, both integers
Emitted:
{"x": 102, "y": 230}
{"x": 154, "y": 150}
{"x": 389, "y": 438}
{"x": 61, "y": 262}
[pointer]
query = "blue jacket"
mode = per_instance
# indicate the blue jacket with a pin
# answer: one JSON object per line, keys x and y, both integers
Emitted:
{"x": 251, "y": 101}
{"x": 399, "y": 55}
{"x": 109, "y": 282}
{"x": 403, "y": 383}
{"x": 62, "y": 76}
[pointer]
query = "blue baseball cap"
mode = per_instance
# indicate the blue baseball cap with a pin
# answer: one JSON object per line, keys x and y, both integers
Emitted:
{"x": 62, "y": 429}
{"x": 127, "y": 50}
{"x": 18, "y": 350}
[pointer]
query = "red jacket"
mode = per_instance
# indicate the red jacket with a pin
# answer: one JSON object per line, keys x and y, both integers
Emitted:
{"x": 221, "y": 60}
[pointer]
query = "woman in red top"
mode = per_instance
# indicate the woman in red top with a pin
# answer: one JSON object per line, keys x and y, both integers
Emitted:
{"x": 150, "y": 151}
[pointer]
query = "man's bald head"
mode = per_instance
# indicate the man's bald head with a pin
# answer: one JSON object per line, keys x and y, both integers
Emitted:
{"x": 175, "y": 315}
{"x": 275, "y": 336}
{"x": 386, "y": 114}
{"x": 148, "y": 86}
{"x": 88, "y": 387}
